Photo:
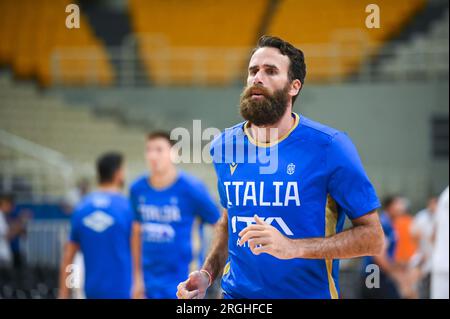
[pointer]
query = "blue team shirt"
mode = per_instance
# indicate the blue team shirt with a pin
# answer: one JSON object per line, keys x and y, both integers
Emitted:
{"x": 167, "y": 217}
{"x": 314, "y": 181}
{"x": 101, "y": 225}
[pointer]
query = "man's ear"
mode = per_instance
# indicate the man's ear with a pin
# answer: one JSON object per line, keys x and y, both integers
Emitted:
{"x": 296, "y": 85}
{"x": 174, "y": 154}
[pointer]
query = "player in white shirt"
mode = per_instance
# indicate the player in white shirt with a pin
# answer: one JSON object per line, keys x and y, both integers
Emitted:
{"x": 6, "y": 207}
{"x": 440, "y": 262}
{"x": 422, "y": 230}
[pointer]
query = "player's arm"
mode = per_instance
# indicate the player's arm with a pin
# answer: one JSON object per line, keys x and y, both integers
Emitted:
{"x": 70, "y": 249}
{"x": 365, "y": 238}
{"x": 197, "y": 283}
{"x": 138, "y": 278}
{"x": 217, "y": 258}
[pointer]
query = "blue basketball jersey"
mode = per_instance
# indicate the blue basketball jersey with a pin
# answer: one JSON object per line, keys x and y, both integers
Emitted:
{"x": 304, "y": 185}
{"x": 167, "y": 219}
{"x": 101, "y": 225}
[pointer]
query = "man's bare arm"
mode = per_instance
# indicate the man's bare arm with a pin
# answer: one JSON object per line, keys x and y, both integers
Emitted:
{"x": 138, "y": 278}
{"x": 198, "y": 282}
{"x": 365, "y": 238}
{"x": 218, "y": 255}
{"x": 136, "y": 248}
{"x": 70, "y": 249}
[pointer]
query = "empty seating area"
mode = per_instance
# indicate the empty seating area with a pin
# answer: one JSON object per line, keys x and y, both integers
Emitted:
{"x": 71, "y": 130}
{"x": 196, "y": 41}
{"x": 205, "y": 42}
{"x": 36, "y": 43}
{"x": 334, "y": 36}
{"x": 426, "y": 55}
{"x": 193, "y": 42}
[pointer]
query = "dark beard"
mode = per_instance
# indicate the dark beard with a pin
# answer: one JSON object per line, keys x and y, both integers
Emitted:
{"x": 267, "y": 110}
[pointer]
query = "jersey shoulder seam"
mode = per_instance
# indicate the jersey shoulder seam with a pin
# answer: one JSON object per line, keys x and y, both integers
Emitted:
{"x": 331, "y": 134}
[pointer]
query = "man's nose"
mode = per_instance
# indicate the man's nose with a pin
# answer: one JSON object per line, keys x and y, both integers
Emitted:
{"x": 257, "y": 79}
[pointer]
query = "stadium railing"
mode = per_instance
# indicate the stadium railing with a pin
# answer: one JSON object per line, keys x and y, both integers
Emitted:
{"x": 206, "y": 66}
{"x": 44, "y": 242}
{"x": 37, "y": 162}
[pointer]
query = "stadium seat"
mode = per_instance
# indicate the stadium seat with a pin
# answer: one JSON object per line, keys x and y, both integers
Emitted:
{"x": 195, "y": 41}
{"x": 335, "y": 38}
{"x": 36, "y": 43}
{"x": 55, "y": 124}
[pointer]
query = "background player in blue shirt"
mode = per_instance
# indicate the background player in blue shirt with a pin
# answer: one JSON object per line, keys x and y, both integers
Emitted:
{"x": 101, "y": 228}
{"x": 286, "y": 184}
{"x": 166, "y": 203}
{"x": 390, "y": 272}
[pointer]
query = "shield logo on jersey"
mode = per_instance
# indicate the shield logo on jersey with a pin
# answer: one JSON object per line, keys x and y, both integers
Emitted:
{"x": 290, "y": 169}
{"x": 233, "y": 167}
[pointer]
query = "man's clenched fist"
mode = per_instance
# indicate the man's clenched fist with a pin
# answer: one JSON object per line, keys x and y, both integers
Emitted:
{"x": 194, "y": 287}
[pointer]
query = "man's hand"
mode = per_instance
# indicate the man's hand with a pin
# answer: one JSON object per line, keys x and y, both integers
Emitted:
{"x": 264, "y": 238}
{"x": 194, "y": 287}
{"x": 138, "y": 291}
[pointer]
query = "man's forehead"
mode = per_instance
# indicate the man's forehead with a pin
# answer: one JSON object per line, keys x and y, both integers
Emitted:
{"x": 269, "y": 56}
{"x": 158, "y": 141}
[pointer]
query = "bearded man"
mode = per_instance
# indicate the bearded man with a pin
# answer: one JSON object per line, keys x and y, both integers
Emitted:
{"x": 281, "y": 231}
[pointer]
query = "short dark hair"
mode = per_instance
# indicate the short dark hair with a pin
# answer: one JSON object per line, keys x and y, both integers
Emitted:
{"x": 297, "y": 67}
{"x": 160, "y": 134}
{"x": 107, "y": 165}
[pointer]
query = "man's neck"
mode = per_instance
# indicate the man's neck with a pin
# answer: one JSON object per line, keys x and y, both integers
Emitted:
{"x": 163, "y": 179}
{"x": 109, "y": 187}
{"x": 271, "y": 133}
